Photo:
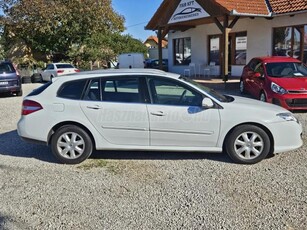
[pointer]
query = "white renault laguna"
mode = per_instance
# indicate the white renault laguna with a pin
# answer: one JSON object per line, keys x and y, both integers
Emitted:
{"x": 151, "y": 110}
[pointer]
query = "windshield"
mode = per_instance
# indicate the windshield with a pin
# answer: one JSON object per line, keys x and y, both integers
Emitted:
{"x": 286, "y": 69}
{"x": 208, "y": 90}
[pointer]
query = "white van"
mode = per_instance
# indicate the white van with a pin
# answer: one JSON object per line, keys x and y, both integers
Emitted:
{"x": 131, "y": 60}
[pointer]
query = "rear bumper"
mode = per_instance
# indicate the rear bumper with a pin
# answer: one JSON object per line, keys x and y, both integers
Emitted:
{"x": 10, "y": 89}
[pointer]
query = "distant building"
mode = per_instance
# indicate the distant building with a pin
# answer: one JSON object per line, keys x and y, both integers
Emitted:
{"x": 229, "y": 34}
{"x": 152, "y": 42}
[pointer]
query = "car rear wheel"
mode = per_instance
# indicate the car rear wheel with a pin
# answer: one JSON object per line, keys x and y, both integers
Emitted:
{"x": 242, "y": 87}
{"x": 19, "y": 93}
{"x": 71, "y": 144}
{"x": 247, "y": 144}
{"x": 262, "y": 97}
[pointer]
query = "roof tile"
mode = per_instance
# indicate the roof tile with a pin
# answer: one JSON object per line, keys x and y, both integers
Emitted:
{"x": 287, "y": 6}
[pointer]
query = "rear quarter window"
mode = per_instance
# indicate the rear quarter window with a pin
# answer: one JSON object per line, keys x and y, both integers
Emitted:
{"x": 72, "y": 89}
{"x": 40, "y": 89}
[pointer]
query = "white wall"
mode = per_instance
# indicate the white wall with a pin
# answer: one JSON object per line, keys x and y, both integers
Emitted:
{"x": 259, "y": 39}
{"x": 153, "y": 53}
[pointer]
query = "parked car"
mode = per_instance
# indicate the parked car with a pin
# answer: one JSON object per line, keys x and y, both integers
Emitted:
{"x": 131, "y": 61}
{"x": 57, "y": 69}
{"x": 154, "y": 64}
{"x": 151, "y": 110}
{"x": 278, "y": 80}
{"x": 10, "y": 80}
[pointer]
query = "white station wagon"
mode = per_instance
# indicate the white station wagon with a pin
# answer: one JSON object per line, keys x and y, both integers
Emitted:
{"x": 143, "y": 109}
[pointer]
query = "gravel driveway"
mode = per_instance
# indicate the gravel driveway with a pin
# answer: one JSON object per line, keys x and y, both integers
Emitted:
{"x": 146, "y": 190}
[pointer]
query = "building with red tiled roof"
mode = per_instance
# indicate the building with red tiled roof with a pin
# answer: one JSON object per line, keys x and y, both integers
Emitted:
{"x": 228, "y": 33}
{"x": 152, "y": 42}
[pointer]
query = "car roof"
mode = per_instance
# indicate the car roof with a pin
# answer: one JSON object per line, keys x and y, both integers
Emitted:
{"x": 116, "y": 72}
{"x": 269, "y": 59}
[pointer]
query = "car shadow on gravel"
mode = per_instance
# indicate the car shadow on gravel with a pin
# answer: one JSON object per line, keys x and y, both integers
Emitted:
{"x": 160, "y": 155}
{"x": 12, "y": 145}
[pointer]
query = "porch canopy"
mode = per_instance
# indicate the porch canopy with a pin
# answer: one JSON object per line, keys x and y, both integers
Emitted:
{"x": 181, "y": 15}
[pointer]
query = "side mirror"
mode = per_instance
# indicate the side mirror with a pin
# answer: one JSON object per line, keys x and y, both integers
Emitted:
{"x": 207, "y": 103}
{"x": 257, "y": 74}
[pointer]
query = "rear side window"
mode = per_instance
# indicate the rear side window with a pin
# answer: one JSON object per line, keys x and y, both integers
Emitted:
{"x": 72, "y": 89}
{"x": 122, "y": 90}
{"x": 40, "y": 89}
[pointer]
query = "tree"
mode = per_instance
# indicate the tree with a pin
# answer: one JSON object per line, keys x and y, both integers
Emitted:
{"x": 106, "y": 46}
{"x": 56, "y": 26}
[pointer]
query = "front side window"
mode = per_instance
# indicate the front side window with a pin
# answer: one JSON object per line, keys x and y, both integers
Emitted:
{"x": 167, "y": 92}
{"x": 50, "y": 66}
{"x": 121, "y": 90}
{"x": 72, "y": 89}
{"x": 182, "y": 51}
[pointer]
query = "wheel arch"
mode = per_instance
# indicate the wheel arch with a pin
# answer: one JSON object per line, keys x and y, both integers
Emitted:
{"x": 64, "y": 123}
{"x": 268, "y": 132}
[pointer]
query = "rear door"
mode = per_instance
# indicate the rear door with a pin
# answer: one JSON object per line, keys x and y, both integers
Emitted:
{"x": 117, "y": 109}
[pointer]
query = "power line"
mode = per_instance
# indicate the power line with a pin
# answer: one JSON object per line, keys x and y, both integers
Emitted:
{"x": 136, "y": 24}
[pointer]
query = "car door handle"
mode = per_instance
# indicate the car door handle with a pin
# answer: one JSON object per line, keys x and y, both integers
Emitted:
{"x": 96, "y": 107}
{"x": 158, "y": 113}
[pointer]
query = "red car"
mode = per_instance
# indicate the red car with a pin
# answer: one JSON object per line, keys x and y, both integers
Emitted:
{"x": 278, "y": 80}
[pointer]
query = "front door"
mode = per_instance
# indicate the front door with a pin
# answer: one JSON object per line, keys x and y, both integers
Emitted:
{"x": 176, "y": 117}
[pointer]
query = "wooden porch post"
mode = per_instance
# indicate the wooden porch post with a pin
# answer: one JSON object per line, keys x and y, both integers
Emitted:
{"x": 225, "y": 48}
{"x": 160, "y": 47}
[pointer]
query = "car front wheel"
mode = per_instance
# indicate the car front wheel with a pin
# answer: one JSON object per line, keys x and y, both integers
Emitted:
{"x": 247, "y": 144}
{"x": 262, "y": 97}
{"x": 242, "y": 87}
{"x": 71, "y": 144}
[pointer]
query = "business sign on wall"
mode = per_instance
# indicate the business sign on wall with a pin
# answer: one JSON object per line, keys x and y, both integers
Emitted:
{"x": 188, "y": 10}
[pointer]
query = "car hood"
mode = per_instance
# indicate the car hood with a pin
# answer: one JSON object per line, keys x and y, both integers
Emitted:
{"x": 293, "y": 83}
{"x": 252, "y": 106}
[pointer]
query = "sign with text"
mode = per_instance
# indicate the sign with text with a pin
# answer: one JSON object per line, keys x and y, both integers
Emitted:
{"x": 188, "y": 10}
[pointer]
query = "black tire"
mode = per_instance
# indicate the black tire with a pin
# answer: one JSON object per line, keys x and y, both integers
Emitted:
{"x": 262, "y": 97}
{"x": 242, "y": 87}
{"x": 36, "y": 78}
{"x": 19, "y": 93}
{"x": 247, "y": 144}
{"x": 26, "y": 79}
{"x": 71, "y": 151}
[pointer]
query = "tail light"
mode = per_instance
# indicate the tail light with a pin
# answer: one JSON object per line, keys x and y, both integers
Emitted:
{"x": 29, "y": 107}
{"x": 60, "y": 71}
{"x": 77, "y": 70}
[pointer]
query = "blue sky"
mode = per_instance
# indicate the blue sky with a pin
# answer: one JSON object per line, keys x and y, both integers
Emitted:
{"x": 137, "y": 13}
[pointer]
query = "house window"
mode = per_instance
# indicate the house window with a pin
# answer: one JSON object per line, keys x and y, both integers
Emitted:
{"x": 182, "y": 51}
{"x": 290, "y": 41}
{"x": 240, "y": 49}
{"x": 214, "y": 49}
{"x": 237, "y": 48}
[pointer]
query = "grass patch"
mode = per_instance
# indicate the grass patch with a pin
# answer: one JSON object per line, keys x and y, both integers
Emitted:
{"x": 96, "y": 163}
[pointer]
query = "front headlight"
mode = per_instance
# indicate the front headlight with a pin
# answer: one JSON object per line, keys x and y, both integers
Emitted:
{"x": 287, "y": 117}
{"x": 278, "y": 89}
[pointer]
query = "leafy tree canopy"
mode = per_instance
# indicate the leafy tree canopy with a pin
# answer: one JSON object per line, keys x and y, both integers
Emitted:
{"x": 66, "y": 26}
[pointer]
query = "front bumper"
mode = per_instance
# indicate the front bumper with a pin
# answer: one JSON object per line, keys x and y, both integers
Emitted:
{"x": 290, "y": 101}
